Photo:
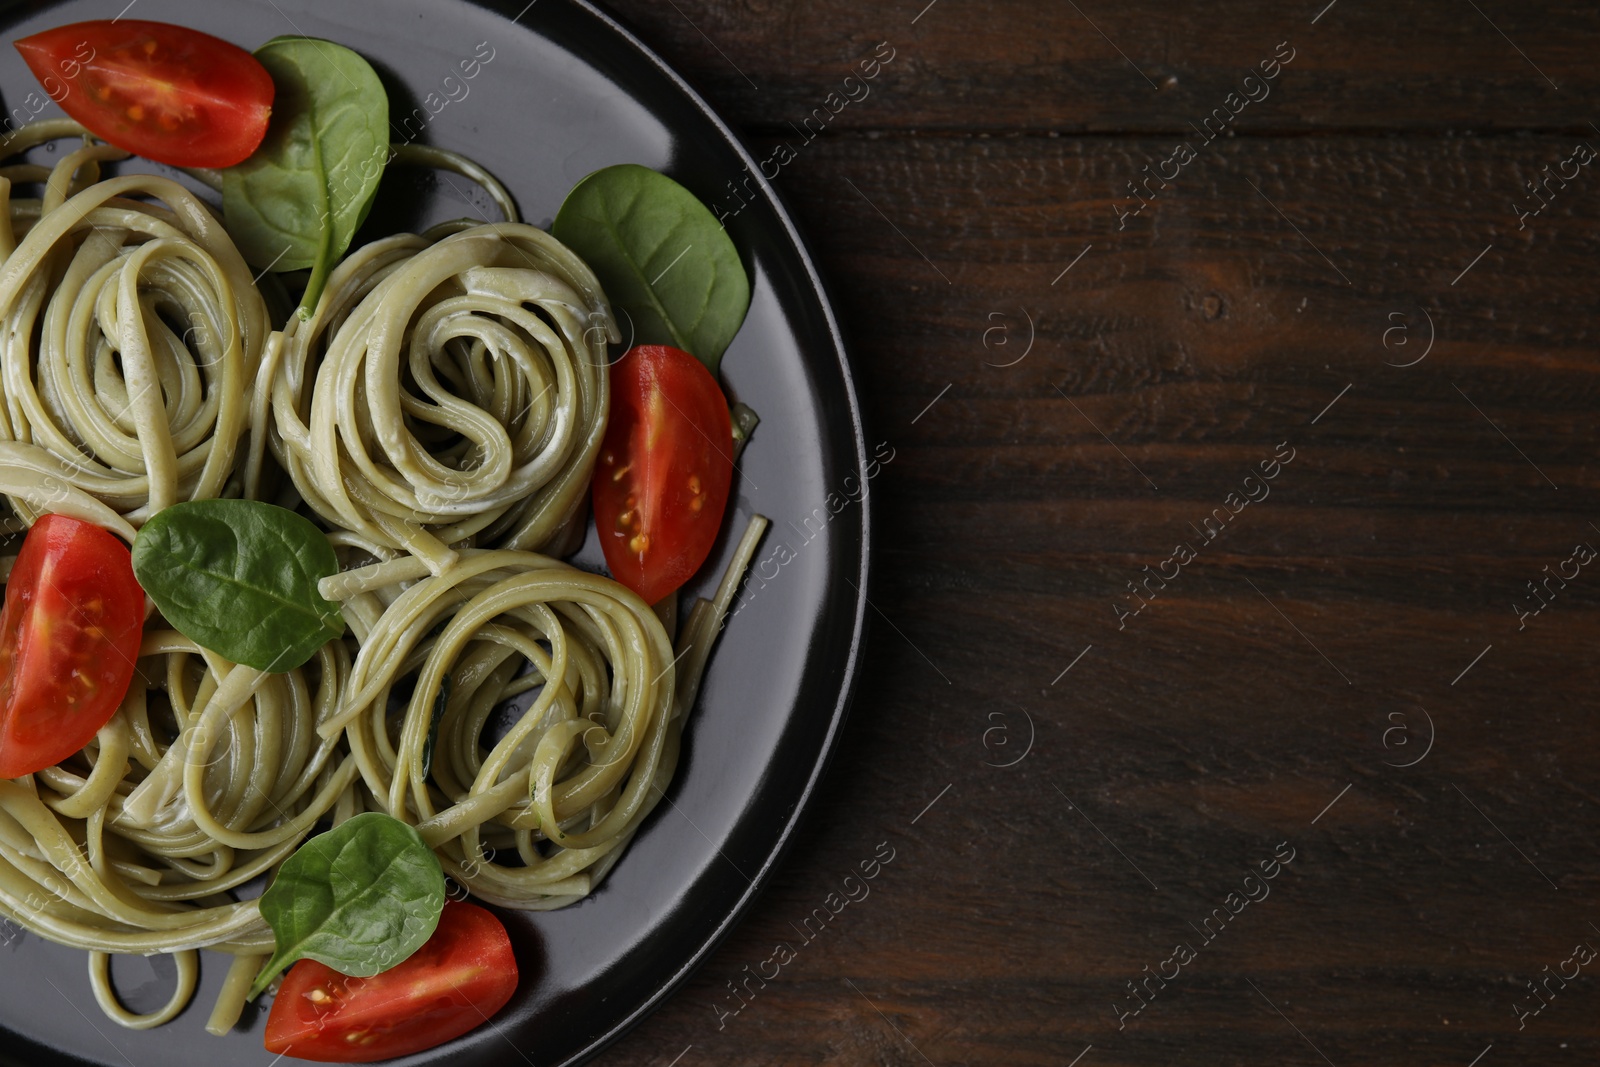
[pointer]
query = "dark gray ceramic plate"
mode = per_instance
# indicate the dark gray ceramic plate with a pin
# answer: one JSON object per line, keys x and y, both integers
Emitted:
{"x": 567, "y": 91}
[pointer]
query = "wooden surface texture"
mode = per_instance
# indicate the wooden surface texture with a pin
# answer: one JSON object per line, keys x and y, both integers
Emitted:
{"x": 1350, "y": 671}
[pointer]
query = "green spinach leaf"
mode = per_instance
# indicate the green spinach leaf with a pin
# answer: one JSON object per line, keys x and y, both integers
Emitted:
{"x": 661, "y": 255}
{"x": 240, "y": 578}
{"x": 360, "y": 898}
{"x": 298, "y": 200}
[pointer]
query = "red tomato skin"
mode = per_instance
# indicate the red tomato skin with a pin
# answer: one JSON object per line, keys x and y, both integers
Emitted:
{"x": 665, "y": 469}
{"x": 463, "y": 975}
{"x": 168, "y": 93}
{"x": 69, "y": 636}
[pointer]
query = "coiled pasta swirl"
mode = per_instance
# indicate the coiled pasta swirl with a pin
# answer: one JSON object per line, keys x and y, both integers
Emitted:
{"x": 149, "y": 330}
{"x": 448, "y": 390}
{"x": 586, "y": 758}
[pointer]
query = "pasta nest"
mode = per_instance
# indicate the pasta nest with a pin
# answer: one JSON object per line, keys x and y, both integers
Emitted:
{"x": 449, "y": 389}
{"x": 130, "y": 332}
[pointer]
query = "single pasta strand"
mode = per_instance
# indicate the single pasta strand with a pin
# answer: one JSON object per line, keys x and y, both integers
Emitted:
{"x": 444, "y": 159}
{"x": 105, "y": 995}
{"x": 235, "y": 989}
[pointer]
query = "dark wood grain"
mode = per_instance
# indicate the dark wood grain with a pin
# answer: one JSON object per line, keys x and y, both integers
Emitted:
{"x": 1297, "y": 661}
{"x": 1148, "y": 65}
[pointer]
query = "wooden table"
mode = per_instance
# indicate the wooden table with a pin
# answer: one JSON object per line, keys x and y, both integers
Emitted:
{"x": 1335, "y": 674}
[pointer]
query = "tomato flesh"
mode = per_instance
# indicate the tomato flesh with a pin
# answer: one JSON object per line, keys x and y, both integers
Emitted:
{"x": 69, "y": 635}
{"x": 665, "y": 469}
{"x": 168, "y": 93}
{"x": 463, "y": 975}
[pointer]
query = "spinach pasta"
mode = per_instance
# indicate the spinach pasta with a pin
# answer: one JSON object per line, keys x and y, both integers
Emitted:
{"x": 438, "y": 415}
{"x": 580, "y": 764}
{"x": 131, "y": 331}
{"x": 209, "y": 775}
{"x": 447, "y": 389}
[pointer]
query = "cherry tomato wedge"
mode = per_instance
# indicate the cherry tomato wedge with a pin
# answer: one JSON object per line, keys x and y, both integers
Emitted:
{"x": 459, "y": 978}
{"x": 165, "y": 92}
{"x": 69, "y": 635}
{"x": 665, "y": 468}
